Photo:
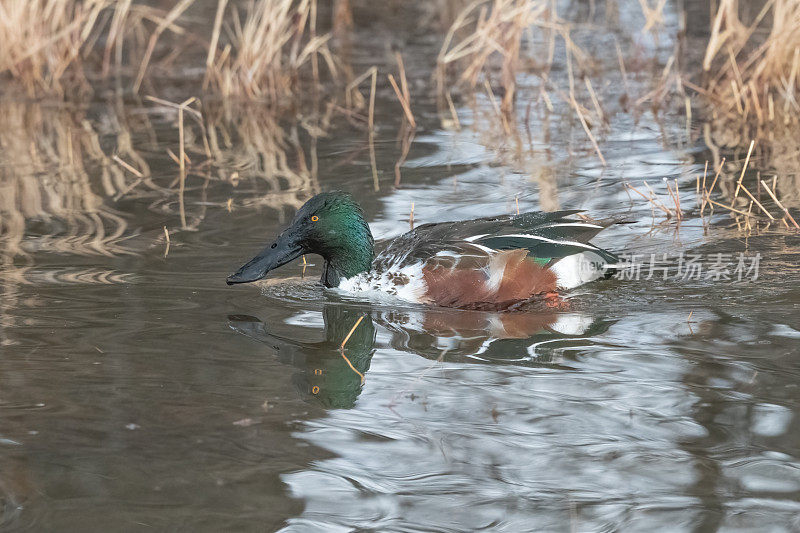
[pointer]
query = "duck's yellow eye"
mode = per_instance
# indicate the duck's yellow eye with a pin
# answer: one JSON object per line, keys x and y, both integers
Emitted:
{"x": 314, "y": 218}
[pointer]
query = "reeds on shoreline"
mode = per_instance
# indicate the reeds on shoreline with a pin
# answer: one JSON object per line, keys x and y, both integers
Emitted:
{"x": 268, "y": 52}
{"x": 51, "y": 47}
{"x": 484, "y": 33}
{"x": 754, "y": 79}
{"x": 43, "y": 39}
{"x": 747, "y": 205}
{"x": 263, "y": 52}
{"x": 751, "y": 86}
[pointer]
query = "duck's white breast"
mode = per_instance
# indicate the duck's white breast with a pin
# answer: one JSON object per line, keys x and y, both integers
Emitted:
{"x": 406, "y": 283}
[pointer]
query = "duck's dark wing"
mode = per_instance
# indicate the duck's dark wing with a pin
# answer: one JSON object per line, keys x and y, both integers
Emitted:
{"x": 548, "y": 237}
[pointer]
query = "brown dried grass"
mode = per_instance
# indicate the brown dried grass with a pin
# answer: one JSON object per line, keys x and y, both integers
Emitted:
{"x": 753, "y": 71}
{"x": 51, "y": 46}
{"x": 268, "y": 54}
{"x": 752, "y": 85}
{"x": 43, "y": 39}
{"x": 486, "y": 32}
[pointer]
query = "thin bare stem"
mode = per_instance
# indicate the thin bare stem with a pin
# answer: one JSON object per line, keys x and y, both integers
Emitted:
{"x": 171, "y": 17}
{"x": 744, "y": 168}
{"x": 212, "y": 48}
{"x": 371, "y": 125}
{"x": 166, "y": 236}
{"x": 403, "y": 102}
{"x": 347, "y": 338}
{"x": 779, "y": 204}
{"x": 650, "y": 199}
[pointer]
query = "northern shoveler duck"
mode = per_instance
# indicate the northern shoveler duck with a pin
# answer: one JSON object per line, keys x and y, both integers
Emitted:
{"x": 486, "y": 263}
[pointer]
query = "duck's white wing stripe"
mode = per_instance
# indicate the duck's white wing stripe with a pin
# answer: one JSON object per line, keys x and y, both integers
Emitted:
{"x": 545, "y": 239}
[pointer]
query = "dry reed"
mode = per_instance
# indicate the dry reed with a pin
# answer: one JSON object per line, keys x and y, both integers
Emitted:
{"x": 753, "y": 79}
{"x": 494, "y": 29}
{"x": 166, "y": 238}
{"x": 42, "y": 39}
{"x": 654, "y": 16}
{"x": 406, "y": 138}
{"x": 165, "y": 23}
{"x": 267, "y": 53}
{"x": 779, "y": 204}
{"x": 51, "y": 46}
{"x": 651, "y": 198}
{"x": 403, "y": 94}
{"x": 355, "y": 100}
{"x": 484, "y": 49}
{"x": 55, "y": 166}
{"x": 752, "y": 199}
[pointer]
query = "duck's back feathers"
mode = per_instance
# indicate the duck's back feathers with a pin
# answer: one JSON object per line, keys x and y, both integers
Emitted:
{"x": 488, "y": 263}
{"x": 547, "y": 236}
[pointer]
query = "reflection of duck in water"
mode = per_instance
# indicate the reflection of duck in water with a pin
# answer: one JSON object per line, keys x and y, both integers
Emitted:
{"x": 487, "y": 263}
{"x": 328, "y": 372}
{"x": 520, "y": 338}
{"x": 335, "y": 375}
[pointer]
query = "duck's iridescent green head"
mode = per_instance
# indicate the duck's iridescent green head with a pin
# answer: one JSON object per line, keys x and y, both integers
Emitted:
{"x": 330, "y": 224}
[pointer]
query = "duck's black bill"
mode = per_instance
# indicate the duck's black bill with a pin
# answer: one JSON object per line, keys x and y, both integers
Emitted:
{"x": 279, "y": 253}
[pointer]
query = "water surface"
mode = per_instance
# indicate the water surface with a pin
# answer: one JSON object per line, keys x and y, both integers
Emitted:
{"x": 138, "y": 391}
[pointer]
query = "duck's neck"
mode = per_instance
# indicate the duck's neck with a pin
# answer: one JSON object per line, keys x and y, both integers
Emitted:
{"x": 352, "y": 257}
